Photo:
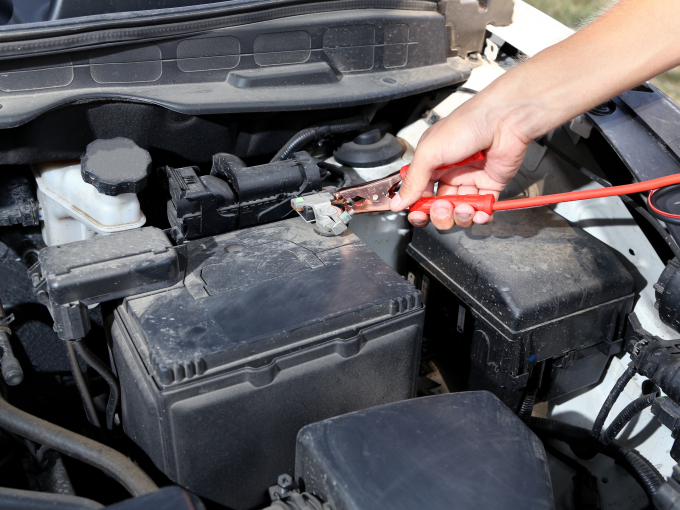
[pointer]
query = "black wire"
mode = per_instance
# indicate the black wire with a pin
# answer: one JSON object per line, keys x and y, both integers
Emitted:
{"x": 626, "y": 199}
{"x": 630, "y": 411}
{"x": 337, "y": 171}
{"x": 611, "y": 399}
{"x": 107, "y": 375}
{"x": 90, "y": 411}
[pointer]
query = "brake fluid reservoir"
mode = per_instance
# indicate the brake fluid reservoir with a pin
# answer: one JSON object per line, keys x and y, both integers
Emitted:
{"x": 73, "y": 209}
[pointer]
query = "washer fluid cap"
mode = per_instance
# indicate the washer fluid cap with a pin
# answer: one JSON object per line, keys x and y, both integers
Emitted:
{"x": 115, "y": 166}
{"x": 369, "y": 149}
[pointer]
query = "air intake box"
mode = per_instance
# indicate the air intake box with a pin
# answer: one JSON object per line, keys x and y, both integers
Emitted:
{"x": 527, "y": 303}
{"x": 271, "y": 329}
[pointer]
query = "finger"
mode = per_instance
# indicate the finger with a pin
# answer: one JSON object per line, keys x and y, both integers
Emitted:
{"x": 446, "y": 189}
{"x": 468, "y": 190}
{"x": 463, "y": 214}
{"x": 481, "y": 217}
{"x": 441, "y": 214}
{"x": 419, "y": 219}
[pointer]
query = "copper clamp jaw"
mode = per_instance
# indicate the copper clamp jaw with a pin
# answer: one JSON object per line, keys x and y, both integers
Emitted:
{"x": 331, "y": 211}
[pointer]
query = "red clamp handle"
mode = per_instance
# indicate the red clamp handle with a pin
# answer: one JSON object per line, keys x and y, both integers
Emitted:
{"x": 482, "y": 203}
{"x": 477, "y": 156}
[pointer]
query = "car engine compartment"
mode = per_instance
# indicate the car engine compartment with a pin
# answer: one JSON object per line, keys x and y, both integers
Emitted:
{"x": 167, "y": 319}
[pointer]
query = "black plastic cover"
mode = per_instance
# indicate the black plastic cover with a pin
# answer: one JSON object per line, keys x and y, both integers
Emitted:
{"x": 314, "y": 55}
{"x": 109, "y": 267}
{"x": 115, "y": 166}
{"x": 527, "y": 288}
{"x": 463, "y": 451}
{"x": 274, "y": 327}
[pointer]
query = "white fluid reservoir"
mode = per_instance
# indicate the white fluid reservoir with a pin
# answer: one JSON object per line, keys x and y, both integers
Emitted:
{"x": 73, "y": 210}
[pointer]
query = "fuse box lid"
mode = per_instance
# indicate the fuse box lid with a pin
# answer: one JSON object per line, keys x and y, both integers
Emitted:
{"x": 248, "y": 296}
{"x": 488, "y": 264}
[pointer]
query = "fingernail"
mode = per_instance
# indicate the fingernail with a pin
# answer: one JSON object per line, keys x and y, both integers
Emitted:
{"x": 418, "y": 223}
{"x": 441, "y": 212}
{"x": 463, "y": 217}
{"x": 396, "y": 200}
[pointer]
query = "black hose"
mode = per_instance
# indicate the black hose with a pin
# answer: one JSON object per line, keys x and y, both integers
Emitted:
{"x": 527, "y": 408}
{"x": 308, "y": 135}
{"x": 85, "y": 396}
{"x": 16, "y": 499}
{"x": 107, "y": 375}
{"x": 577, "y": 438}
{"x": 611, "y": 399}
{"x": 638, "y": 466}
{"x": 670, "y": 241}
{"x": 344, "y": 179}
{"x": 81, "y": 448}
{"x": 625, "y": 416}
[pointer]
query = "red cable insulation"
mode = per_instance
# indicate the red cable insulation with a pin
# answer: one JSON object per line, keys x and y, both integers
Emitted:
{"x": 488, "y": 204}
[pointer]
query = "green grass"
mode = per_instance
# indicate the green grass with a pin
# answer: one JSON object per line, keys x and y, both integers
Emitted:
{"x": 574, "y": 13}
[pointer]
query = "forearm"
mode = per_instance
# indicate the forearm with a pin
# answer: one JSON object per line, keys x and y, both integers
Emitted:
{"x": 633, "y": 42}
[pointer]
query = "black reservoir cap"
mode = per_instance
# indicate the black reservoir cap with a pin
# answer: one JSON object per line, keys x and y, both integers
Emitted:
{"x": 116, "y": 166}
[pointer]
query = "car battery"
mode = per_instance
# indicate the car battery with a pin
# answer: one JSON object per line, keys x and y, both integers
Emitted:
{"x": 270, "y": 329}
{"x": 527, "y": 305}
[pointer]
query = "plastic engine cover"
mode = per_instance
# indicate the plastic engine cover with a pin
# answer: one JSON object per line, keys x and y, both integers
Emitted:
{"x": 462, "y": 451}
{"x": 528, "y": 290}
{"x": 272, "y": 328}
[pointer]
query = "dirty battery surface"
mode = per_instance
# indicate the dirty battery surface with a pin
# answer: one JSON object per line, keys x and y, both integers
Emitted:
{"x": 272, "y": 328}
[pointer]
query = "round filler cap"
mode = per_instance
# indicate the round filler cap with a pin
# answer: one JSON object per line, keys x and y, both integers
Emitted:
{"x": 115, "y": 166}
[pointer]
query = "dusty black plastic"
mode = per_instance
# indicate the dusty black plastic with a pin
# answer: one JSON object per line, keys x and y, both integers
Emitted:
{"x": 273, "y": 328}
{"x": 199, "y": 206}
{"x": 236, "y": 196}
{"x": 340, "y": 57}
{"x": 18, "y": 202}
{"x": 525, "y": 289}
{"x": 369, "y": 149}
{"x": 462, "y": 450}
{"x": 115, "y": 166}
{"x": 69, "y": 277}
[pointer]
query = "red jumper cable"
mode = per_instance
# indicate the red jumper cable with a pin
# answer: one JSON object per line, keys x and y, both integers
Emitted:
{"x": 488, "y": 203}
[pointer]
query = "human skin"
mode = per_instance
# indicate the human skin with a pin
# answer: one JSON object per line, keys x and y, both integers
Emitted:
{"x": 632, "y": 42}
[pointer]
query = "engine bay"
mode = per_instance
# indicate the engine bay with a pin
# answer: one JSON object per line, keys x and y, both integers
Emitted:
{"x": 187, "y": 321}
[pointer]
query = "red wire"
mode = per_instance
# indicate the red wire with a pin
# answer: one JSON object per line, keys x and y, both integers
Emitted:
{"x": 612, "y": 191}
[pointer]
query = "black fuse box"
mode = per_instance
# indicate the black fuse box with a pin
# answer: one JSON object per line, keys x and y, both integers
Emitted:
{"x": 272, "y": 328}
{"x": 527, "y": 303}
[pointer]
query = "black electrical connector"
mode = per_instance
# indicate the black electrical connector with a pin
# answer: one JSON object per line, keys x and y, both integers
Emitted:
{"x": 235, "y": 195}
{"x": 659, "y": 361}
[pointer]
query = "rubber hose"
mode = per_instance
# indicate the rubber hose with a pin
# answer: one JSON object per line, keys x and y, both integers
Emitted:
{"x": 85, "y": 396}
{"x": 527, "y": 408}
{"x": 640, "y": 468}
{"x": 107, "y": 375}
{"x": 646, "y": 475}
{"x": 307, "y": 135}
{"x": 625, "y": 416}
{"x": 17, "y": 499}
{"x": 611, "y": 399}
{"x": 300, "y": 139}
{"x": 81, "y": 448}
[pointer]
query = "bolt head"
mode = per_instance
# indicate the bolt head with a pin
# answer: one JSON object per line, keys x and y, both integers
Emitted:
{"x": 375, "y": 198}
{"x": 285, "y": 482}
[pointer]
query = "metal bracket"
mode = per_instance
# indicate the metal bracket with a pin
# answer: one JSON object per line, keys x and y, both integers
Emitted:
{"x": 466, "y": 22}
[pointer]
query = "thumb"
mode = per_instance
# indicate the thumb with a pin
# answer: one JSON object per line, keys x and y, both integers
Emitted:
{"x": 414, "y": 184}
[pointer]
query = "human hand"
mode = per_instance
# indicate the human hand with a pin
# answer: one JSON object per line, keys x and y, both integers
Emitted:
{"x": 473, "y": 127}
